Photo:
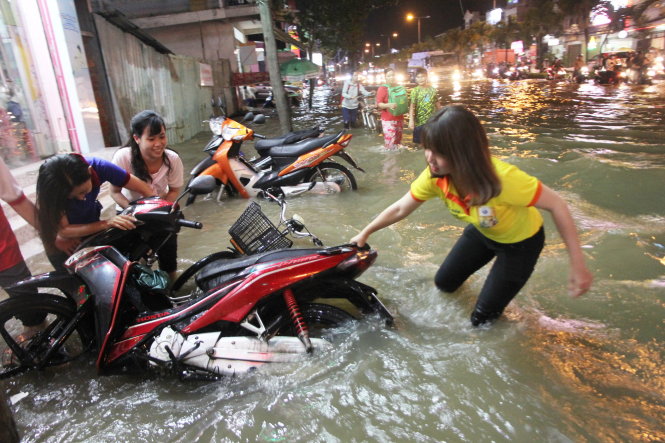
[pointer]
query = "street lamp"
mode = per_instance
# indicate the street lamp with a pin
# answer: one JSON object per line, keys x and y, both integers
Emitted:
{"x": 394, "y": 35}
{"x": 370, "y": 47}
{"x": 411, "y": 17}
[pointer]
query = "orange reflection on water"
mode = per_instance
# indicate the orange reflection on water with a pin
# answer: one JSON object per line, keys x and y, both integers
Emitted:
{"x": 601, "y": 378}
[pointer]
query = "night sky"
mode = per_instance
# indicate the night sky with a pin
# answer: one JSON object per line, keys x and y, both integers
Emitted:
{"x": 445, "y": 14}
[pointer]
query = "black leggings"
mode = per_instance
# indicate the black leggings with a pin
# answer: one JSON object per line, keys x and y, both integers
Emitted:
{"x": 511, "y": 270}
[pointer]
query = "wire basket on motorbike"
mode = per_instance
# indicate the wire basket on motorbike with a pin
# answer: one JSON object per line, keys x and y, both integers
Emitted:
{"x": 253, "y": 232}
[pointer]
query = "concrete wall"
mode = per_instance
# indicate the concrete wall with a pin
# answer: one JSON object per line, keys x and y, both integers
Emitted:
{"x": 141, "y": 78}
{"x": 203, "y": 40}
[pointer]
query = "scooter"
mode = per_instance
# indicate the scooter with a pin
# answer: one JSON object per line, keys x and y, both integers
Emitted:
{"x": 247, "y": 310}
{"x": 554, "y": 73}
{"x": 289, "y": 169}
{"x": 581, "y": 75}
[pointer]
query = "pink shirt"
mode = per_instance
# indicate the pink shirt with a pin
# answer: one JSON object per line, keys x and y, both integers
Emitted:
{"x": 10, "y": 192}
{"x": 162, "y": 181}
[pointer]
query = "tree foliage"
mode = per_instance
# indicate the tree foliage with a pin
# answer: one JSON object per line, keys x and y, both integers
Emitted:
{"x": 336, "y": 24}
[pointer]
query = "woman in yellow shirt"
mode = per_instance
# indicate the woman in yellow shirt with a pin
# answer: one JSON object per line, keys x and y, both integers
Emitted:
{"x": 498, "y": 201}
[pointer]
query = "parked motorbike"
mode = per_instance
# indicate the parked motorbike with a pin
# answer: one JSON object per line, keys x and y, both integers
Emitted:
{"x": 273, "y": 306}
{"x": 290, "y": 169}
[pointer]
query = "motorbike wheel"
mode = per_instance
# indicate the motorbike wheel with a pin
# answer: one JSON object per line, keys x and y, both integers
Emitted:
{"x": 320, "y": 319}
{"x": 329, "y": 171}
{"x": 20, "y": 351}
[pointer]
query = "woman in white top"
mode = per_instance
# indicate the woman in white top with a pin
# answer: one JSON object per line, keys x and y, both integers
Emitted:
{"x": 146, "y": 156}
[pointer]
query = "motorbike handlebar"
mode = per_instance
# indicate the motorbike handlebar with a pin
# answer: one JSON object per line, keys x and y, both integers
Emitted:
{"x": 189, "y": 224}
{"x": 262, "y": 137}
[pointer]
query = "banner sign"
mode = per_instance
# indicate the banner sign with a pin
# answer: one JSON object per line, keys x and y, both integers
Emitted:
{"x": 247, "y": 78}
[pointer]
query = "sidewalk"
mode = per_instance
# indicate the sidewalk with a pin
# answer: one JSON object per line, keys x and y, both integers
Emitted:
{"x": 28, "y": 239}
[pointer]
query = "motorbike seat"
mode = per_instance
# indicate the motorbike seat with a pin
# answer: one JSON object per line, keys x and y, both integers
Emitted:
{"x": 262, "y": 146}
{"x": 223, "y": 270}
{"x": 303, "y": 147}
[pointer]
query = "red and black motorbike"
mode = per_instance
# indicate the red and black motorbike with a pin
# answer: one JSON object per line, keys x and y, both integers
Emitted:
{"x": 275, "y": 305}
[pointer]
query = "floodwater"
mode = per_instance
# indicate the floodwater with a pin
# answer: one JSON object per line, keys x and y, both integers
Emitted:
{"x": 552, "y": 369}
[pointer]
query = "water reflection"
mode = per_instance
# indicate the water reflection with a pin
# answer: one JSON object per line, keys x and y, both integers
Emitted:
{"x": 554, "y": 369}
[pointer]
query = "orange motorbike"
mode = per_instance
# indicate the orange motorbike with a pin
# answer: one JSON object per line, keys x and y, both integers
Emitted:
{"x": 282, "y": 167}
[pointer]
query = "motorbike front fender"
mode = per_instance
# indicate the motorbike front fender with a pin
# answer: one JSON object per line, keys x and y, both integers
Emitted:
{"x": 201, "y": 166}
{"x": 345, "y": 155}
{"x": 65, "y": 282}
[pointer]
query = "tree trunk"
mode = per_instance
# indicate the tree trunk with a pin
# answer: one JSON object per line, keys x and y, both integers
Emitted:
{"x": 283, "y": 109}
{"x": 311, "y": 92}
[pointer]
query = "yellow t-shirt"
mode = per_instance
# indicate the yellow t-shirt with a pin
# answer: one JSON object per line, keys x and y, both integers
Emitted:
{"x": 507, "y": 218}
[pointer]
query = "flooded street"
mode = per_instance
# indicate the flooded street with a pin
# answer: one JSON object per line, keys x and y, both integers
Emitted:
{"x": 551, "y": 369}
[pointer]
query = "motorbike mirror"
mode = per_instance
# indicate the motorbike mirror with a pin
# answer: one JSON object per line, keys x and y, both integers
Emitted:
{"x": 203, "y": 184}
{"x": 259, "y": 118}
{"x": 249, "y": 116}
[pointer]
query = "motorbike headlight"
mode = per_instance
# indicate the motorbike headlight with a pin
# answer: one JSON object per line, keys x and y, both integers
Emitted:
{"x": 433, "y": 78}
{"x": 216, "y": 126}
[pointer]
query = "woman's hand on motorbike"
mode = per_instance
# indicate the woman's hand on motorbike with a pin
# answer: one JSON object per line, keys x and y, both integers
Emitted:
{"x": 360, "y": 239}
{"x": 124, "y": 222}
{"x": 67, "y": 245}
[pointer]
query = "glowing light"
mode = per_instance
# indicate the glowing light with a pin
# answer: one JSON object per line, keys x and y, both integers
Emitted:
{"x": 494, "y": 16}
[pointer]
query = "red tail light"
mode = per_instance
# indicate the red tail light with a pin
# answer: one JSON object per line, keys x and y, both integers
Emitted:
{"x": 358, "y": 262}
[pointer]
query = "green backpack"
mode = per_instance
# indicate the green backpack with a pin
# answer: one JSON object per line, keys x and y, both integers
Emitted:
{"x": 397, "y": 94}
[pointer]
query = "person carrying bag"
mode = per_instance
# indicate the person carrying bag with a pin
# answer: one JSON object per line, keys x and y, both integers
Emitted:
{"x": 392, "y": 100}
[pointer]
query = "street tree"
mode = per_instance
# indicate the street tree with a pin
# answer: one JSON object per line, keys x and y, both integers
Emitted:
{"x": 456, "y": 40}
{"x": 336, "y": 24}
{"x": 479, "y": 35}
{"x": 504, "y": 33}
{"x": 543, "y": 17}
{"x": 581, "y": 11}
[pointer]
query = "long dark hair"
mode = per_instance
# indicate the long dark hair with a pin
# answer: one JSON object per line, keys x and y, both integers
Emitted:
{"x": 456, "y": 133}
{"x": 144, "y": 119}
{"x": 58, "y": 176}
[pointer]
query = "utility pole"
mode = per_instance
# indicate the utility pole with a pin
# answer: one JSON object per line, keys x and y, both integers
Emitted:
{"x": 283, "y": 110}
